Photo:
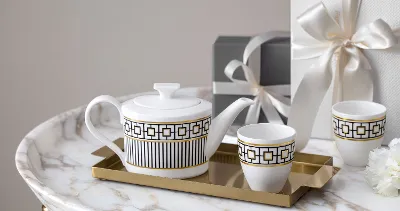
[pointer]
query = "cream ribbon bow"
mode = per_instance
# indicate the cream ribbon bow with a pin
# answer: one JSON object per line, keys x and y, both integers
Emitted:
{"x": 342, "y": 63}
{"x": 270, "y": 99}
{"x": 265, "y": 97}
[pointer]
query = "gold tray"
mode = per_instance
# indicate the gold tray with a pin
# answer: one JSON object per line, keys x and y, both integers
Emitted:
{"x": 225, "y": 177}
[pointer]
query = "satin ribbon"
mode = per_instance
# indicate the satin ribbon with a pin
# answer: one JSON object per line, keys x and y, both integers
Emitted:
{"x": 271, "y": 99}
{"x": 341, "y": 64}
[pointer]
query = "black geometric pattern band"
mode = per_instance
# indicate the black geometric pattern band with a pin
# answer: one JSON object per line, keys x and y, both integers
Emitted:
{"x": 165, "y": 154}
{"x": 266, "y": 155}
{"x": 167, "y": 131}
{"x": 358, "y": 130}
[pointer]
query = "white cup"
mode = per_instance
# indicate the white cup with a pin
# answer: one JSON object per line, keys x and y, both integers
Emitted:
{"x": 266, "y": 152}
{"x": 358, "y": 127}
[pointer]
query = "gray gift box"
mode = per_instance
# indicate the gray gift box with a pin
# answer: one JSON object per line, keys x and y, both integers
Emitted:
{"x": 272, "y": 59}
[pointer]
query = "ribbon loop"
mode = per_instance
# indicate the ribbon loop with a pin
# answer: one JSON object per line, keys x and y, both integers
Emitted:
{"x": 376, "y": 35}
{"x": 317, "y": 22}
{"x": 257, "y": 41}
{"x": 232, "y": 66}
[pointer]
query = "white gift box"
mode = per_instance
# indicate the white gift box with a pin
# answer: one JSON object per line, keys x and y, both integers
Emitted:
{"x": 385, "y": 63}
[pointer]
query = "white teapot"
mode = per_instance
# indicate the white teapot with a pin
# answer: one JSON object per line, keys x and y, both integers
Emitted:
{"x": 167, "y": 135}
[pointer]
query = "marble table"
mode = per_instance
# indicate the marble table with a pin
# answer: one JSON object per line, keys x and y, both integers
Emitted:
{"x": 55, "y": 161}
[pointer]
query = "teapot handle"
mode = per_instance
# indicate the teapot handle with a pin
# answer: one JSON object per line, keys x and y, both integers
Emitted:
{"x": 110, "y": 144}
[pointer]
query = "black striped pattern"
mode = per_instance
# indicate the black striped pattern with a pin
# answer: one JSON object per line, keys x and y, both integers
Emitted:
{"x": 165, "y": 154}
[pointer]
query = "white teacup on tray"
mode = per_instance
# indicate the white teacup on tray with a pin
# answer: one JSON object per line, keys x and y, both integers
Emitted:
{"x": 266, "y": 152}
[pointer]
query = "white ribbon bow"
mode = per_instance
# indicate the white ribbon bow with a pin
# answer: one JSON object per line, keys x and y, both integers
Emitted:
{"x": 342, "y": 63}
{"x": 270, "y": 99}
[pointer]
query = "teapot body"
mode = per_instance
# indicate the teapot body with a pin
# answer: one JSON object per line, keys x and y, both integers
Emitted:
{"x": 167, "y": 149}
{"x": 166, "y": 135}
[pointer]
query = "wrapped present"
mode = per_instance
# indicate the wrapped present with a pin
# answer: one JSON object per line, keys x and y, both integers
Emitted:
{"x": 263, "y": 73}
{"x": 342, "y": 50}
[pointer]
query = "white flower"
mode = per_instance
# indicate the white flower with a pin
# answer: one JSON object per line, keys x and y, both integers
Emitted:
{"x": 394, "y": 162}
{"x": 394, "y": 142}
{"x": 393, "y": 169}
{"x": 386, "y": 188}
{"x": 395, "y": 150}
{"x": 383, "y": 169}
{"x": 376, "y": 166}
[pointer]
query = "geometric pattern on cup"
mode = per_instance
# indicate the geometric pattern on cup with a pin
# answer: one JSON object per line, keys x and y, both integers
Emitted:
{"x": 266, "y": 155}
{"x": 167, "y": 131}
{"x": 358, "y": 130}
{"x": 165, "y": 154}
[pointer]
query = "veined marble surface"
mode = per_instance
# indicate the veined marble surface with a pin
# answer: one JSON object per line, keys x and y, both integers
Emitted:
{"x": 55, "y": 161}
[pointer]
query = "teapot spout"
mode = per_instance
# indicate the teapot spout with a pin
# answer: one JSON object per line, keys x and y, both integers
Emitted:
{"x": 221, "y": 123}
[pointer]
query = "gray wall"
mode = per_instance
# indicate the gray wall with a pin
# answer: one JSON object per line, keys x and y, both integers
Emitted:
{"x": 58, "y": 54}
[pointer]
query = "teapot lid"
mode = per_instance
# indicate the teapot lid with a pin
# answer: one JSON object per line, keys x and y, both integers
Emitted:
{"x": 166, "y": 100}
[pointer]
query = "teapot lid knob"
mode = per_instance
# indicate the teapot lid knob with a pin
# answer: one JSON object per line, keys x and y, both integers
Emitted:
{"x": 166, "y": 90}
{"x": 167, "y": 99}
